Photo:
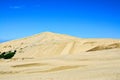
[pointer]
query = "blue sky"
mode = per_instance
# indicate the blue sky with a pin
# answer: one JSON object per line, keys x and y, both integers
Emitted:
{"x": 80, "y": 18}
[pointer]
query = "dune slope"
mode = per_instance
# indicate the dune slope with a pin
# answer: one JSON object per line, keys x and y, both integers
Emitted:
{"x": 51, "y": 44}
{"x": 50, "y": 56}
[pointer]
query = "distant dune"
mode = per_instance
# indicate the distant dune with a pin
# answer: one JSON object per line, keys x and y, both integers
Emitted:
{"x": 51, "y": 56}
{"x": 1, "y": 41}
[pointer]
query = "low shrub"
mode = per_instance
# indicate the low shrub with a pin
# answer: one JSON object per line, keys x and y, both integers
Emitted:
{"x": 7, "y": 55}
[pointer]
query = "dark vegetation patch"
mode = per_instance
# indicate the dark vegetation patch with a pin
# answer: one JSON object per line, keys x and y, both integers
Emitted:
{"x": 7, "y": 55}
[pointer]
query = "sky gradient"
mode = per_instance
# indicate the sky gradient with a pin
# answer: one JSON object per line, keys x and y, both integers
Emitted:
{"x": 80, "y": 18}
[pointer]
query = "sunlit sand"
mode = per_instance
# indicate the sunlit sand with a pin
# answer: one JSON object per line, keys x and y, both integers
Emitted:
{"x": 50, "y": 56}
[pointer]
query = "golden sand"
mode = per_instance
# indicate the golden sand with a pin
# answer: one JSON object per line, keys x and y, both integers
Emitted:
{"x": 50, "y": 56}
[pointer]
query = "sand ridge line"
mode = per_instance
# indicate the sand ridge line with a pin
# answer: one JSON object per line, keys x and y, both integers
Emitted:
{"x": 59, "y": 68}
{"x": 30, "y": 65}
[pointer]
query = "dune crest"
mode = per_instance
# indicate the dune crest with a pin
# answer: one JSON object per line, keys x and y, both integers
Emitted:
{"x": 52, "y": 44}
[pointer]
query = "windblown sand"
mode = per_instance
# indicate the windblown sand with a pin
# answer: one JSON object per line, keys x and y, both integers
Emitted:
{"x": 50, "y": 56}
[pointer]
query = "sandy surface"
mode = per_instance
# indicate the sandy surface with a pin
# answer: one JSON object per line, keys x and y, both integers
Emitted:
{"x": 50, "y": 56}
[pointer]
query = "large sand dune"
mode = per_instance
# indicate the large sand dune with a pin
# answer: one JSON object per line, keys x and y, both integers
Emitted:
{"x": 50, "y": 56}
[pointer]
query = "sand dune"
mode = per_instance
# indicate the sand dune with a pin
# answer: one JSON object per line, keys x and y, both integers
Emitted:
{"x": 50, "y": 56}
{"x": 51, "y": 44}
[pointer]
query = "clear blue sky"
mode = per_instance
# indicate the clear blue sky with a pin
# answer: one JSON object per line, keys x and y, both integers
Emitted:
{"x": 81, "y": 18}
